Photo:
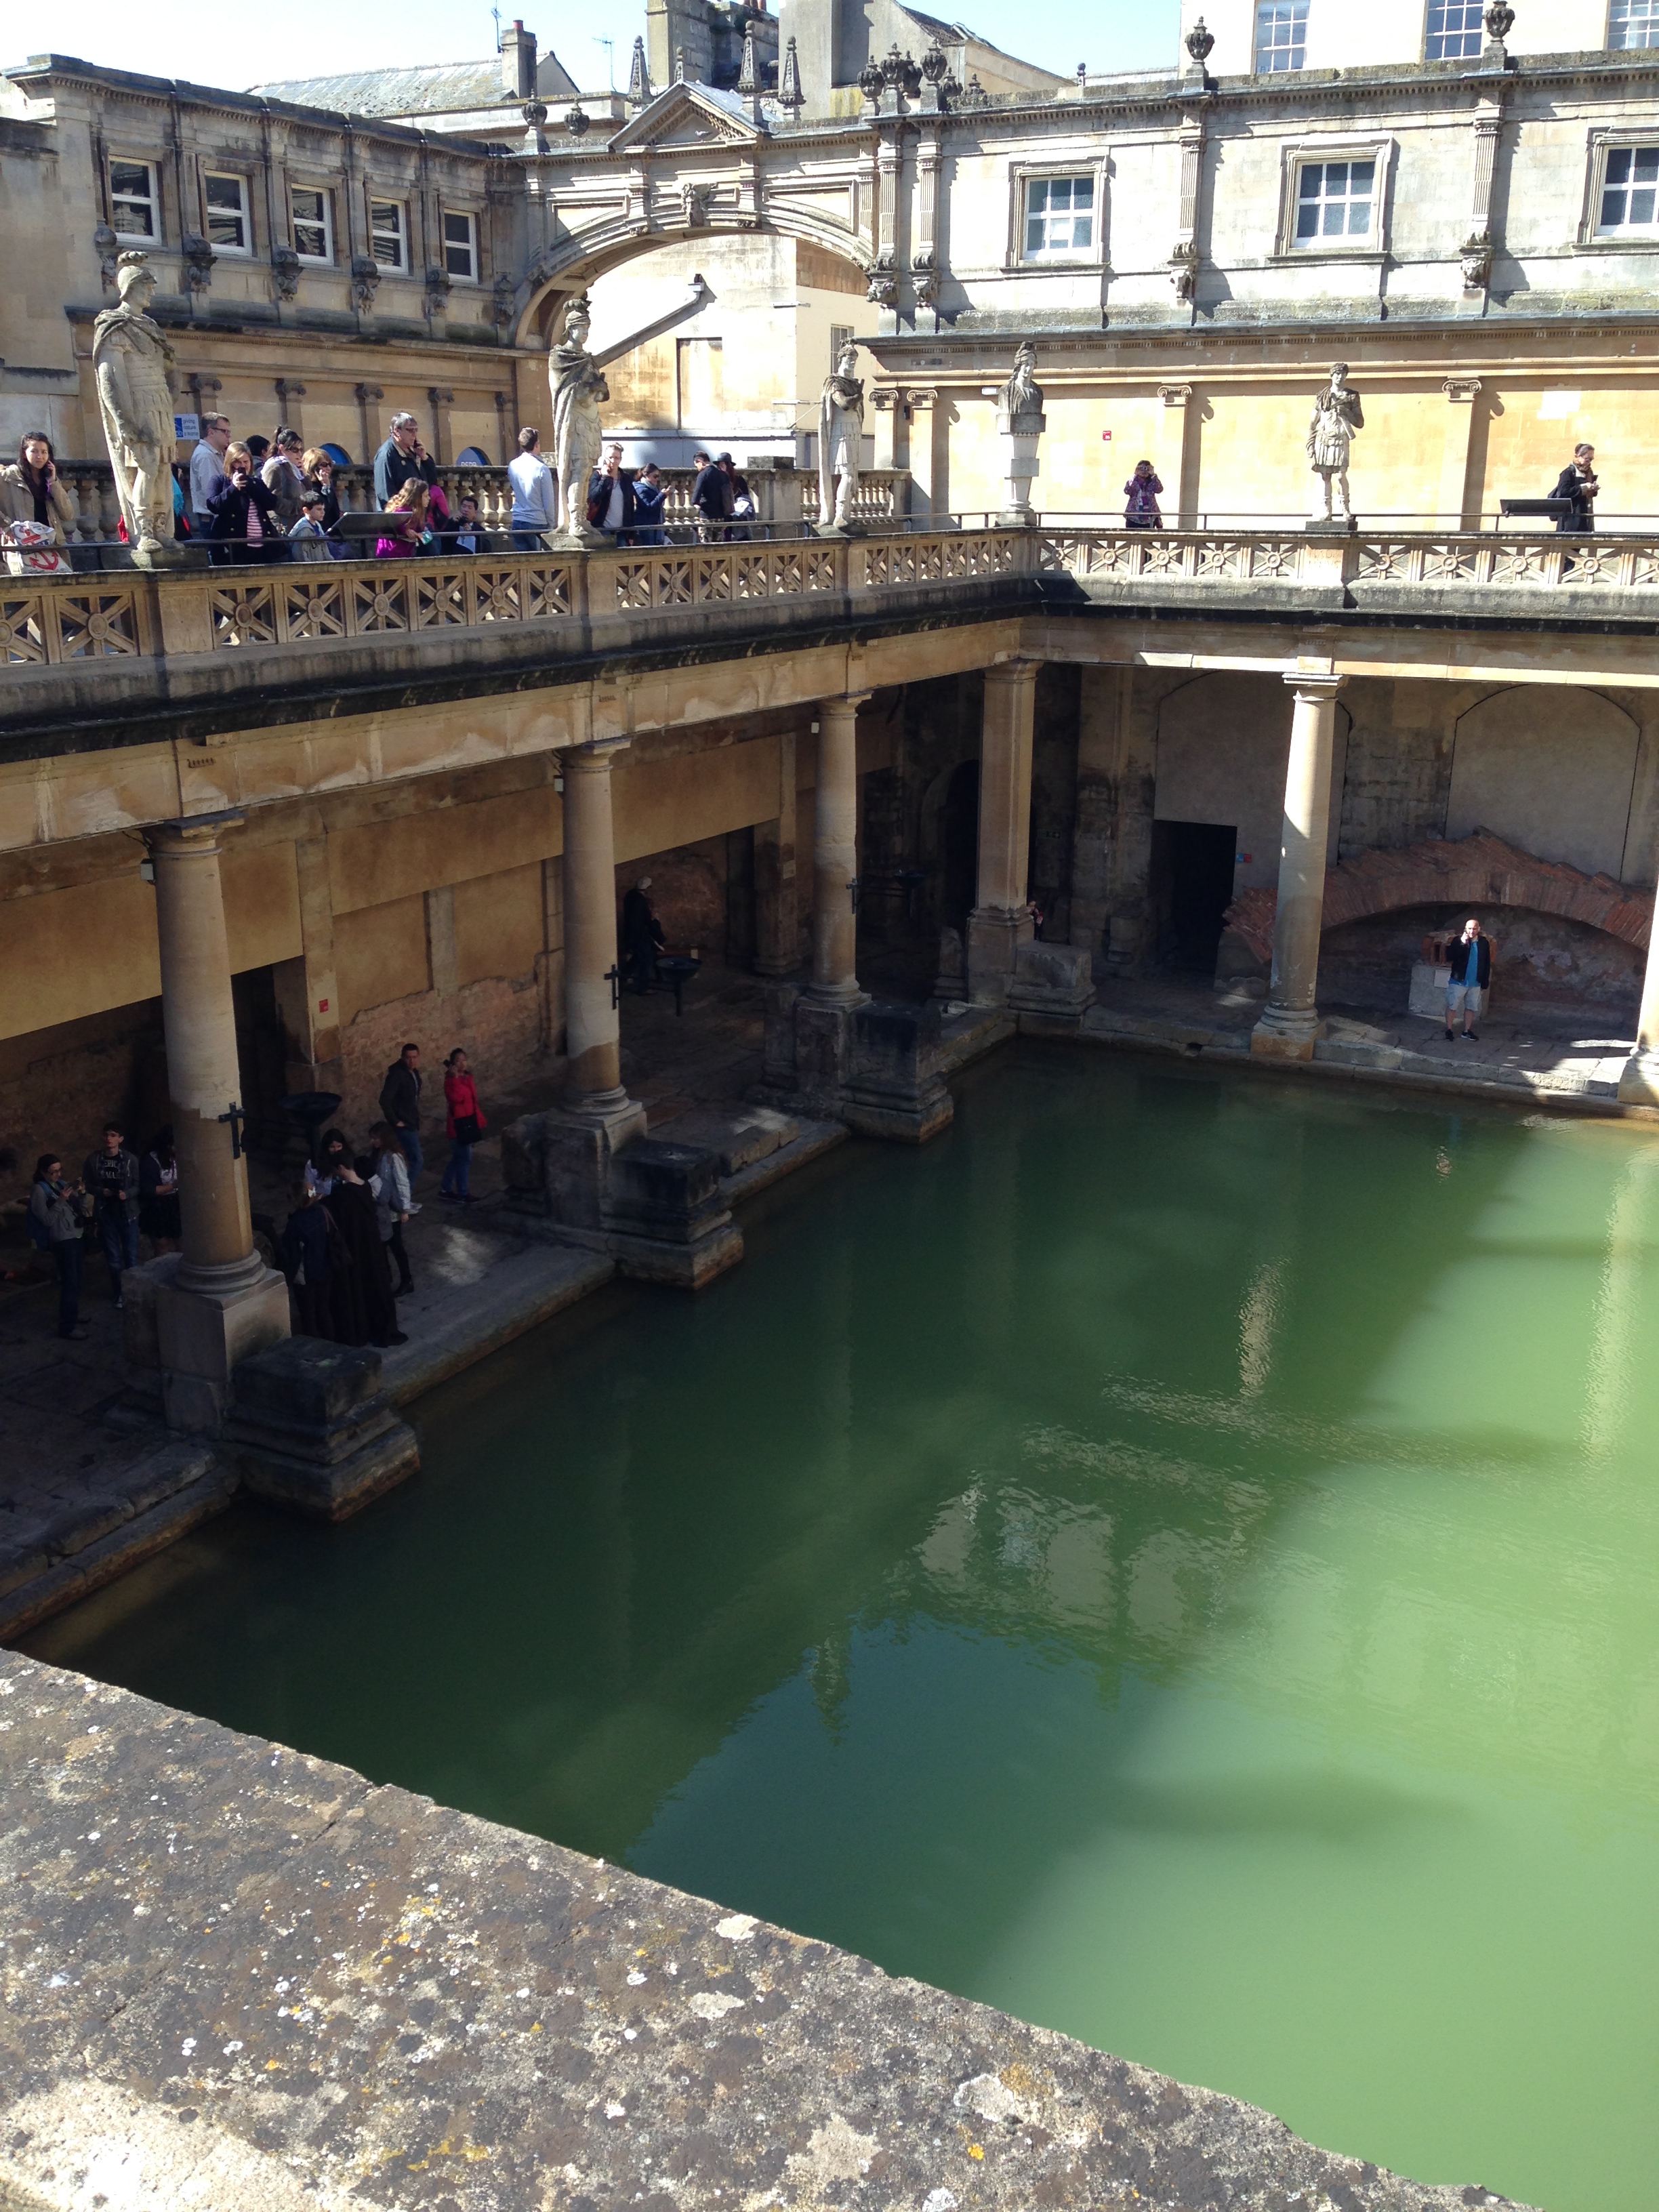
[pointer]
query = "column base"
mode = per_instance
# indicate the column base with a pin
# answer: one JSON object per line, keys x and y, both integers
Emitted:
{"x": 655, "y": 1206}
{"x": 1017, "y": 517}
{"x": 1052, "y": 988}
{"x": 311, "y": 1428}
{"x": 873, "y": 1066}
{"x": 1287, "y": 1033}
{"x": 994, "y": 938}
{"x": 841, "y": 529}
{"x": 577, "y": 541}
{"x": 201, "y": 1337}
{"x": 1639, "y": 1082}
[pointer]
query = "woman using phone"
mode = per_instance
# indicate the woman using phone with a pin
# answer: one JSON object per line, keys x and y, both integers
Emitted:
{"x": 465, "y": 1125}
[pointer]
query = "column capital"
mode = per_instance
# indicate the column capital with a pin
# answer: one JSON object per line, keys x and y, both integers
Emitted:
{"x": 192, "y": 833}
{"x": 594, "y": 753}
{"x": 1018, "y": 668}
{"x": 1311, "y": 683}
{"x": 844, "y": 703}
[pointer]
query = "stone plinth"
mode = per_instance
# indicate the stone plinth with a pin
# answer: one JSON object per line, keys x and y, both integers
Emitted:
{"x": 656, "y": 1208}
{"x": 874, "y": 1067}
{"x": 312, "y": 1428}
{"x": 204, "y": 1336}
{"x": 1052, "y": 986}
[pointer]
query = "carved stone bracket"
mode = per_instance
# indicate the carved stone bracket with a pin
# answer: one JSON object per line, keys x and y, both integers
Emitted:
{"x": 883, "y": 283}
{"x": 1184, "y": 259}
{"x": 365, "y": 282}
{"x": 501, "y": 313}
{"x": 199, "y": 259}
{"x": 1475, "y": 253}
{"x": 924, "y": 275}
{"x": 285, "y": 270}
{"x": 437, "y": 290}
{"x": 107, "y": 245}
{"x": 1461, "y": 390}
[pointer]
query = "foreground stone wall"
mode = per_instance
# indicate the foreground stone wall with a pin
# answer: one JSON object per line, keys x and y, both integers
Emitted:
{"x": 239, "y": 1978}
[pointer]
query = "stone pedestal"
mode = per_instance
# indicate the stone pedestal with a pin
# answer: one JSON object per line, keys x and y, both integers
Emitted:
{"x": 204, "y": 1336}
{"x": 312, "y": 1428}
{"x": 1290, "y": 1025}
{"x": 873, "y": 1066}
{"x": 994, "y": 939}
{"x": 1052, "y": 988}
{"x": 656, "y": 1207}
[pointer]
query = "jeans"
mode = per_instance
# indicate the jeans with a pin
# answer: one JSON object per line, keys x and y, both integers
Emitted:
{"x": 459, "y": 1168}
{"x": 528, "y": 541}
{"x": 119, "y": 1234}
{"x": 411, "y": 1141}
{"x": 70, "y": 1256}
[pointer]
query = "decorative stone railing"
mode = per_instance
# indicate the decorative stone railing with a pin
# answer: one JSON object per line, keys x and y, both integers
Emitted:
{"x": 62, "y": 622}
{"x": 53, "y": 622}
{"x": 785, "y": 498}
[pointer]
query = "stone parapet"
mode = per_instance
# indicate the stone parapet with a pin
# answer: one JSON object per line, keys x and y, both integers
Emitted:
{"x": 215, "y": 1945}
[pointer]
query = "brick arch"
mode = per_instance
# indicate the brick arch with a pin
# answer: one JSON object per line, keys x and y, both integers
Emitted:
{"x": 1478, "y": 871}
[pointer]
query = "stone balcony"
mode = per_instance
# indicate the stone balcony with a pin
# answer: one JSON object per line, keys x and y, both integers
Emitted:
{"x": 117, "y": 657}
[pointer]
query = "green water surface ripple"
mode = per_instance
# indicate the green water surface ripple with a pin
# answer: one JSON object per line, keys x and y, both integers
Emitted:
{"x": 1174, "y": 1558}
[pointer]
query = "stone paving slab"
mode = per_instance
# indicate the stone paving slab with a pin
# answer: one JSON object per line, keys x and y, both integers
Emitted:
{"x": 241, "y": 1978}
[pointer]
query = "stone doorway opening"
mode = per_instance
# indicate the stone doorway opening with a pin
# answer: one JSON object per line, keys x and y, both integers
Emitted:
{"x": 262, "y": 1057}
{"x": 1191, "y": 885}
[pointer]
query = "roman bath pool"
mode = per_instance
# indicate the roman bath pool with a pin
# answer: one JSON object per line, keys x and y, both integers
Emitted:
{"x": 1174, "y": 1558}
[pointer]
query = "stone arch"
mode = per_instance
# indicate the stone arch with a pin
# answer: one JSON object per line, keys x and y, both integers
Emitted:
{"x": 1549, "y": 768}
{"x": 567, "y": 266}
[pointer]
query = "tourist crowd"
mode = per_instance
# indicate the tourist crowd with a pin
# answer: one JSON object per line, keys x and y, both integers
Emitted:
{"x": 255, "y": 500}
{"x": 347, "y": 1213}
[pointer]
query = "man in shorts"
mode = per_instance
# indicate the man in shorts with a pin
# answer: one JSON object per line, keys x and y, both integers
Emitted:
{"x": 1471, "y": 972}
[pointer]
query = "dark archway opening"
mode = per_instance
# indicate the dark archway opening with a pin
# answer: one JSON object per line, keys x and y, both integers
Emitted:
{"x": 1192, "y": 887}
{"x": 959, "y": 844}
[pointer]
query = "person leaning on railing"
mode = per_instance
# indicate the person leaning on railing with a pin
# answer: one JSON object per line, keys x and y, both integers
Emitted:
{"x": 408, "y": 504}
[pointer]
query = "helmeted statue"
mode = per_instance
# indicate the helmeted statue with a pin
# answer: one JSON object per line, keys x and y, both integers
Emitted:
{"x": 578, "y": 387}
{"x": 1021, "y": 422}
{"x": 134, "y": 366}
{"x": 841, "y": 441}
{"x": 1337, "y": 415}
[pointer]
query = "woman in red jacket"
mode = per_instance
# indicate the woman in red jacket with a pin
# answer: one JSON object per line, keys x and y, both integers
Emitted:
{"x": 464, "y": 1126}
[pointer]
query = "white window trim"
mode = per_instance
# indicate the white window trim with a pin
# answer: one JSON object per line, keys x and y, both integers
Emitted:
{"x": 1423, "y": 44}
{"x": 477, "y": 222}
{"x": 244, "y": 252}
{"x": 1378, "y": 147}
{"x": 1606, "y": 38}
{"x": 1256, "y": 68}
{"x": 153, "y": 168}
{"x": 1021, "y": 173}
{"x": 328, "y": 260}
{"x": 1604, "y": 139}
{"x": 389, "y": 200}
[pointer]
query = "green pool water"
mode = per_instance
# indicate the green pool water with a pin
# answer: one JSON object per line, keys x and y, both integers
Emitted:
{"x": 1175, "y": 1558}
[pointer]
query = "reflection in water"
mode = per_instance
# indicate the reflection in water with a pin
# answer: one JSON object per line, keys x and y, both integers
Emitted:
{"x": 1172, "y": 1559}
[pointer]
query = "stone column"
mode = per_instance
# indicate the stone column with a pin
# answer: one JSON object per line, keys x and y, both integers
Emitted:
{"x": 999, "y": 924}
{"x": 221, "y": 1302}
{"x": 1289, "y": 1022}
{"x": 1639, "y": 1085}
{"x": 835, "y": 855}
{"x": 592, "y": 1028}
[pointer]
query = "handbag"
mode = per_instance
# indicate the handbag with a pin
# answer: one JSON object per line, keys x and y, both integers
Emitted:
{"x": 32, "y": 551}
{"x": 467, "y": 1130}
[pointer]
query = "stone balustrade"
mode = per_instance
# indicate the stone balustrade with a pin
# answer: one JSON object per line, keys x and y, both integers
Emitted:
{"x": 126, "y": 614}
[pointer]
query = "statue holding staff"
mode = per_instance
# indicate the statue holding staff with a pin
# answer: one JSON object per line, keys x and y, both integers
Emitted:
{"x": 1337, "y": 415}
{"x": 840, "y": 442}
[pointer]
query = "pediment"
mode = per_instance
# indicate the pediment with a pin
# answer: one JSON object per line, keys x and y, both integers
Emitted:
{"x": 683, "y": 117}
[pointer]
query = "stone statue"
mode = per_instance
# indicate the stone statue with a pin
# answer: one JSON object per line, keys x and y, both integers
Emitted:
{"x": 577, "y": 387}
{"x": 1021, "y": 421}
{"x": 134, "y": 366}
{"x": 1337, "y": 415}
{"x": 840, "y": 442}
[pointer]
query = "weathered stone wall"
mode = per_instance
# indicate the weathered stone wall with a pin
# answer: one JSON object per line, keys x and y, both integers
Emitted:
{"x": 238, "y": 1977}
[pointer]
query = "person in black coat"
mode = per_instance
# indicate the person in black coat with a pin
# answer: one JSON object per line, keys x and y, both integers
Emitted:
{"x": 1577, "y": 482}
{"x": 361, "y": 1306}
{"x": 642, "y": 937}
{"x": 308, "y": 1257}
{"x": 1471, "y": 972}
{"x": 246, "y": 524}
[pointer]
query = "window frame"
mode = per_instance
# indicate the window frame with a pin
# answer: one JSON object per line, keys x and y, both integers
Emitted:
{"x": 1477, "y": 32}
{"x": 1647, "y": 46}
{"x": 245, "y": 211}
{"x": 1022, "y": 175}
{"x": 153, "y": 171}
{"x": 1303, "y": 153}
{"x": 295, "y": 222}
{"x": 400, "y": 267}
{"x": 1603, "y": 140}
{"x": 475, "y": 235}
{"x": 1292, "y": 69}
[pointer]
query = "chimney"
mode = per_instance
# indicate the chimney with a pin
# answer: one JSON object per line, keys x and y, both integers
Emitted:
{"x": 519, "y": 63}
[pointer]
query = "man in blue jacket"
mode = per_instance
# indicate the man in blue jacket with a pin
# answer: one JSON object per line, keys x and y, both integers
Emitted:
{"x": 1471, "y": 972}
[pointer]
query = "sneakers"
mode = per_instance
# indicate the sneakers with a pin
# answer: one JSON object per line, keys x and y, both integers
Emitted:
{"x": 413, "y": 1207}
{"x": 1451, "y": 1037}
{"x": 1471, "y": 1036}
